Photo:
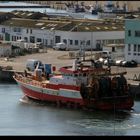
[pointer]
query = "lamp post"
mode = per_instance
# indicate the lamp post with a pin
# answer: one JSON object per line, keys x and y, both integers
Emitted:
{"x": 53, "y": 31}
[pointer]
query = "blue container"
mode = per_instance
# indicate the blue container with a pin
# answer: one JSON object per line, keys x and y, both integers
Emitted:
{"x": 48, "y": 69}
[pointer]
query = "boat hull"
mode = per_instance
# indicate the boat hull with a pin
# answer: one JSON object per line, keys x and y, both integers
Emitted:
{"x": 46, "y": 97}
{"x": 111, "y": 103}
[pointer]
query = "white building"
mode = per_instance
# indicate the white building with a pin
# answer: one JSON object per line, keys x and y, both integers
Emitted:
{"x": 93, "y": 40}
{"x": 75, "y": 33}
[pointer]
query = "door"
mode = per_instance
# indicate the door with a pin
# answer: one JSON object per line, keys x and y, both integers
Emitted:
{"x": 7, "y": 37}
{"x": 57, "y": 39}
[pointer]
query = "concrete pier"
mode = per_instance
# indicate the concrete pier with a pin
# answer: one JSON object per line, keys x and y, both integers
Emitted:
{"x": 6, "y": 76}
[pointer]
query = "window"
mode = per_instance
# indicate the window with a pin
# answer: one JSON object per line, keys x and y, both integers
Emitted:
{"x": 88, "y": 42}
{"x": 13, "y": 38}
{"x": 71, "y": 42}
{"x": 39, "y": 40}
{"x": 76, "y": 42}
{"x": 129, "y": 47}
{"x": 31, "y": 31}
{"x": 138, "y": 47}
{"x": 51, "y": 42}
{"x": 135, "y": 47}
{"x": 57, "y": 39}
{"x": 137, "y": 33}
{"x": 121, "y": 41}
{"x": 129, "y": 32}
{"x": 16, "y": 29}
{"x": 26, "y": 39}
{"x": 32, "y": 39}
{"x": 82, "y": 42}
{"x": 65, "y": 41}
{"x": 27, "y": 31}
{"x": 113, "y": 49}
{"x": 110, "y": 41}
{"x": 3, "y": 30}
{"x": 46, "y": 42}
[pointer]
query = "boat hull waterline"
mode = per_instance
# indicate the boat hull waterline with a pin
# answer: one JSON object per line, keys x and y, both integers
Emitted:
{"x": 73, "y": 97}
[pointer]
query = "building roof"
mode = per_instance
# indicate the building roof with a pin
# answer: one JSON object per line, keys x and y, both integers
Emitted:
{"x": 39, "y": 24}
{"x": 28, "y": 14}
{"x": 64, "y": 24}
{"x": 5, "y": 16}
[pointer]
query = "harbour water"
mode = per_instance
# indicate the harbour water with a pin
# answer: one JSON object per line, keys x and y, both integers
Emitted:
{"x": 33, "y": 118}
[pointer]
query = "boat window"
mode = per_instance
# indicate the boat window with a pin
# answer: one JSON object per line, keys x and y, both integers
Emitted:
{"x": 75, "y": 75}
{"x": 84, "y": 74}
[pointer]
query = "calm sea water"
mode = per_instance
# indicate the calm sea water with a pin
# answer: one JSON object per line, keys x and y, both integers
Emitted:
{"x": 32, "y": 118}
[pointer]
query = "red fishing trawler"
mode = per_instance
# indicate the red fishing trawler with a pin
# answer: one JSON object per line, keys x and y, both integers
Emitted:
{"x": 84, "y": 84}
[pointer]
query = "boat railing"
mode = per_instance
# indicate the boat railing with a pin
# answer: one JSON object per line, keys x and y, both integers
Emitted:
{"x": 27, "y": 80}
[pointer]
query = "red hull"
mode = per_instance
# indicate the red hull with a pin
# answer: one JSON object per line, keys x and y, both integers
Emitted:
{"x": 47, "y": 97}
{"x": 115, "y": 103}
{"x": 96, "y": 104}
{"x": 107, "y": 103}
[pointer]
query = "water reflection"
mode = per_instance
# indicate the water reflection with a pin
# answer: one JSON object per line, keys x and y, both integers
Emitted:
{"x": 34, "y": 118}
{"x": 93, "y": 122}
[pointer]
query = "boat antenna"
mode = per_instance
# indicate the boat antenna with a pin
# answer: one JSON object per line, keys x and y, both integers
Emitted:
{"x": 91, "y": 43}
{"x": 108, "y": 63}
{"x": 114, "y": 111}
{"x": 84, "y": 51}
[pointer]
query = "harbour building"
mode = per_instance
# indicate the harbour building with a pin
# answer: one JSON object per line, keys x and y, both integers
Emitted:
{"x": 34, "y": 27}
{"x": 132, "y": 39}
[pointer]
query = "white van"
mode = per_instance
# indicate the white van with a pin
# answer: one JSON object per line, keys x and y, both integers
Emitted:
{"x": 106, "y": 54}
{"x": 60, "y": 46}
{"x": 32, "y": 63}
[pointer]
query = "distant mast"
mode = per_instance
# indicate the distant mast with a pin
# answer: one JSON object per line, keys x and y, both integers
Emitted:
{"x": 125, "y": 7}
{"x": 129, "y": 6}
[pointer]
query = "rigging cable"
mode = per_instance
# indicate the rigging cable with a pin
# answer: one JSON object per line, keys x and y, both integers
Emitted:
{"x": 114, "y": 115}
